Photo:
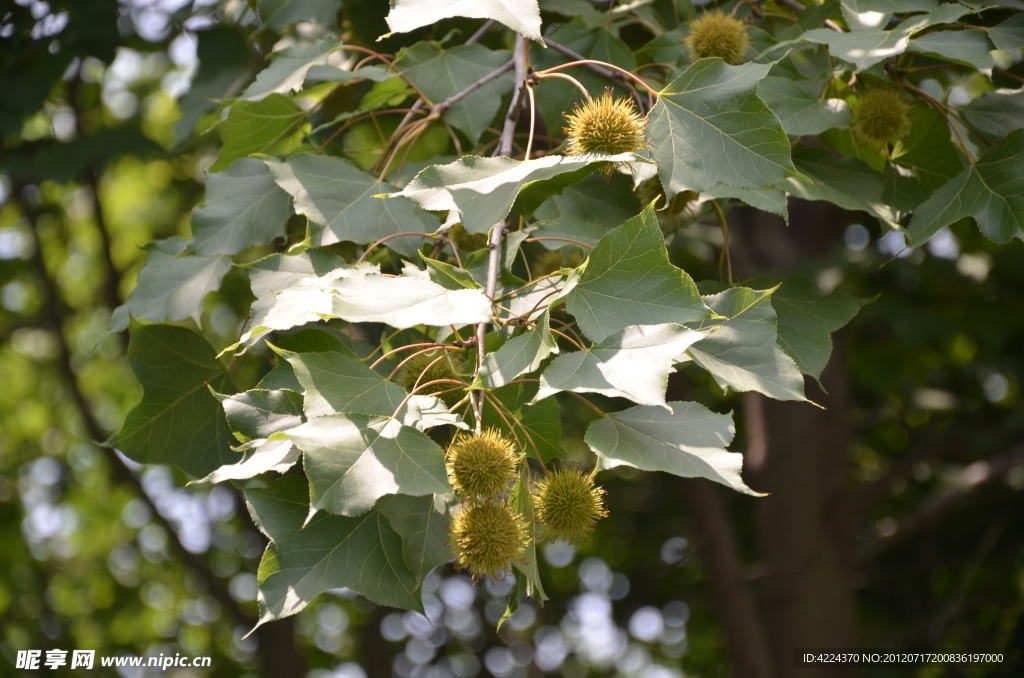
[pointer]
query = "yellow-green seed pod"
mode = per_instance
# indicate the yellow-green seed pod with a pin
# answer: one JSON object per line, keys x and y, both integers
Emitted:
{"x": 486, "y": 536}
{"x": 716, "y": 34}
{"x": 605, "y": 125}
{"x": 880, "y": 116}
{"x": 482, "y": 464}
{"x": 428, "y": 367}
{"x": 568, "y": 504}
{"x": 466, "y": 242}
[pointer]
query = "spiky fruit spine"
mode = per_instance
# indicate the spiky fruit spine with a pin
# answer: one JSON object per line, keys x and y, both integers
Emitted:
{"x": 880, "y": 116}
{"x": 466, "y": 242}
{"x": 605, "y": 125}
{"x": 426, "y": 368}
{"x": 568, "y": 504}
{"x": 482, "y": 464}
{"x": 716, "y": 34}
{"x": 486, "y": 536}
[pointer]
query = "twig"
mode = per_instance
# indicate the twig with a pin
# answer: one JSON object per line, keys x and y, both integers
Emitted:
{"x": 725, "y": 257}
{"x": 603, "y": 72}
{"x": 563, "y": 76}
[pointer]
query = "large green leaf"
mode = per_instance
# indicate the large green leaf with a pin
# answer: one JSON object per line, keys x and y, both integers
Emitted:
{"x": 742, "y": 352}
{"x": 334, "y": 382}
{"x": 990, "y": 191}
{"x": 598, "y": 201}
{"x": 441, "y": 73}
{"x": 337, "y": 198}
{"x": 522, "y": 16}
{"x": 178, "y": 420}
{"x": 633, "y": 363}
{"x": 996, "y": 113}
{"x": 689, "y": 441}
{"x": 518, "y": 355}
{"x": 480, "y": 192}
{"x": 271, "y": 125}
{"x": 930, "y": 152}
{"x": 800, "y": 112}
{"x": 968, "y": 47}
{"x": 709, "y": 126}
{"x": 543, "y": 423}
{"x": 628, "y": 280}
{"x": 869, "y": 46}
{"x": 807, "y": 319}
{"x": 363, "y": 554}
{"x": 279, "y": 14}
{"x": 171, "y": 287}
{"x": 847, "y": 182}
{"x": 243, "y": 207}
{"x": 352, "y": 460}
{"x": 423, "y": 524}
{"x": 1008, "y": 35}
{"x": 288, "y": 68}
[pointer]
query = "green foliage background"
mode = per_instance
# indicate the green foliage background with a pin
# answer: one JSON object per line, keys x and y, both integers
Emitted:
{"x": 152, "y": 193}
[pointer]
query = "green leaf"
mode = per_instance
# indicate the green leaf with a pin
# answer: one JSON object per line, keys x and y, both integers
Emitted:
{"x": 352, "y": 460}
{"x": 570, "y": 227}
{"x": 522, "y": 501}
{"x": 334, "y": 382}
{"x": 799, "y": 111}
{"x": 279, "y": 14}
{"x": 288, "y": 69}
{"x": 522, "y": 16}
{"x": 689, "y": 441}
{"x": 258, "y": 414}
{"x": 633, "y": 363}
{"x": 274, "y": 274}
{"x": 709, "y": 126}
{"x": 518, "y": 355}
{"x": 243, "y": 207}
{"x": 807, "y": 319}
{"x": 259, "y": 456}
{"x": 996, "y": 113}
{"x": 441, "y": 73}
{"x": 480, "y": 192}
{"x": 424, "y": 412}
{"x": 867, "y": 14}
{"x": 448, "y": 276}
{"x": 271, "y": 126}
{"x": 846, "y": 182}
{"x": 597, "y": 200}
{"x": 990, "y": 191}
{"x": 770, "y": 200}
{"x": 742, "y": 352}
{"x": 930, "y": 152}
{"x": 423, "y": 524}
{"x": 171, "y": 287}
{"x": 628, "y": 280}
{"x": 178, "y": 421}
{"x": 867, "y": 47}
{"x": 968, "y": 47}
{"x": 223, "y": 62}
{"x": 1008, "y": 35}
{"x": 543, "y": 422}
{"x": 318, "y": 74}
{"x": 338, "y": 199}
{"x": 363, "y": 554}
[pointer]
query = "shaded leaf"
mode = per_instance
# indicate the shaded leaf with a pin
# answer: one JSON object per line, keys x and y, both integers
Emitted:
{"x": 968, "y": 47}
{"x": 170, "y": 287}
{"x": 270, "y": 126}
{"x": 258, "y": 414}
{"x": 799, "y": 111}
{"x": 279, "y": 14}
{"x": 288, "y": 69}
{"x": 996, "y": 113}
{"x": 543, "y": 422}
{"x": 423, "y": 524}
{"x": 333, "y": 382}
{"x": 352, "y": 460}
{"x": 990, "y": 191}
{"x": 243, "y": 207}
{"x": 846, "y": 182}
{"x": 709, "y": 126}
{"x": 337, "y": 198}
{"x": 518, "y": 355}
{"x": 522, "y": 501}
{"x": 1008, "y": 35}
{"x": 628, "y": 280}
{"x": 688, "y": 441}
{"x": 178, "y": 421}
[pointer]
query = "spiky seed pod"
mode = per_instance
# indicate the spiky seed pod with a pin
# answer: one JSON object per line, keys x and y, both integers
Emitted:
{"x": 880, "y": 116}
{"x": 605, "y": 125}
{"x": 482, "y": 464}
{"x": 486, "y": 536}
{"x": 716, "y": 34}
{"x": 568, "y": 504}
{"x": 450, "y": 366}
{"x": 466, "y": 242}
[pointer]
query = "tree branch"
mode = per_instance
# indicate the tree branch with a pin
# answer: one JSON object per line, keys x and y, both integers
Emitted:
{"x": 970, "y": 479}
{"x": 600, "y": 70}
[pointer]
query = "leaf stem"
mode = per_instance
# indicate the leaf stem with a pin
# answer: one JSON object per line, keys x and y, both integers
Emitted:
{"x": 725, "y": 259}
{"x": 403, "y": 348}
{"x": 586, "y": 402}
{"x": 602, "y": 64}
{"x": 574, "y": 242}
{"x": 564, "y": 76}
{"x": 569, "y": 339}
